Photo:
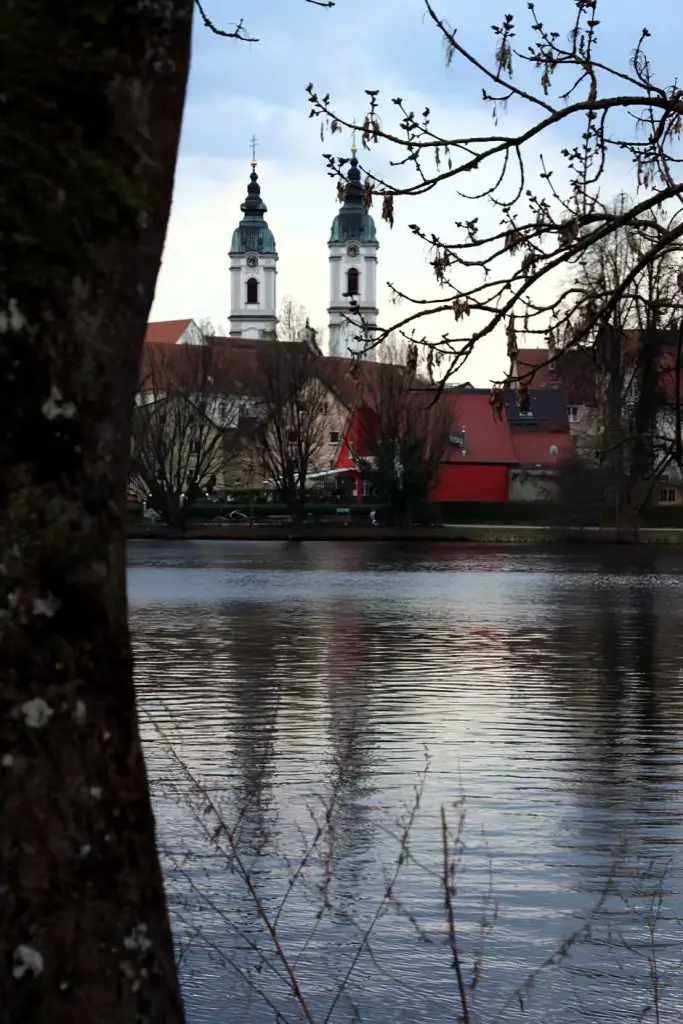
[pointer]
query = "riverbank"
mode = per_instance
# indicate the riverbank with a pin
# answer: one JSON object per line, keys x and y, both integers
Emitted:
{"x": 455, "y": 533}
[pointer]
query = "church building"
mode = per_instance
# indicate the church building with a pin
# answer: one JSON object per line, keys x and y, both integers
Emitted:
{"x": 253, "y": 269}
{"x": 352, "y": 253}
{"x": 352, "y": 247}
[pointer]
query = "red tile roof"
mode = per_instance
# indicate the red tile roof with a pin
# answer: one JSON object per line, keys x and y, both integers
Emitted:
{"x": 576, "y": 370}
{"x": 486, "y": 438}
{"x": 167, "y": 367}
{"x": 166, "y": 331}
{"x": 352, "y": 381}
{"x": 573, "y": 370}
{"x": 545, "y": 448}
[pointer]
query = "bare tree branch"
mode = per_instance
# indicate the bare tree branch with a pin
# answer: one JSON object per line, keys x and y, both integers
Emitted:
{"x": 184, "y": 428}
{"x": 484, "y": 276}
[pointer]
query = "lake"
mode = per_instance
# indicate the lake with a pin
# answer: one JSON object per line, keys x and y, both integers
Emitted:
{"x": 306, "y": 698}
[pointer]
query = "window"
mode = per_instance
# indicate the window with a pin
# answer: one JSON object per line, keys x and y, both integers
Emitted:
{"x": 573, "y": 413}
{"x": 252, "y": 291}
{"x": 667, "y": 496}
{"x": 334, "y": 437}
{"x": 352, "y": 276}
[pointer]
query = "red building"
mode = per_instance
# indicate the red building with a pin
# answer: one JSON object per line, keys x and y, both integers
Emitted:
{"x": 477, "y": 469}
{"x": 485, "y": 452}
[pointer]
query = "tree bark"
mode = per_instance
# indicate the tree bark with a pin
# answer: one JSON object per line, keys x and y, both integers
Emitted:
{"x": 91, "y": 99}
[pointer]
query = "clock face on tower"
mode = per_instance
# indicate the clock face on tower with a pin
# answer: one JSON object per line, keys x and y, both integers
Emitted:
{"x": 252, "y": 261}
{"x": 352, "y": 250}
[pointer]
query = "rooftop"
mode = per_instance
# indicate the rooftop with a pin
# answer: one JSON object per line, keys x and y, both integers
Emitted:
{"x": 253, "y": 233}
{"x": 353, "y": 222}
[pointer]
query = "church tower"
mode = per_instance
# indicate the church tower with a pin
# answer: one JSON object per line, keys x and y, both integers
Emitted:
{"x": 352, "y": 250}
{"x": 253, "y": 259}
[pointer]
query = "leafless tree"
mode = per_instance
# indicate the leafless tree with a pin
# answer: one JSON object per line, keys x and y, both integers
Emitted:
{"x": 294, "y": 325}
{"x": 635, "y": 352}
{"x": 555, "y": 82}
{"x": 93, "y": 96}
{"x": 185, "y": 430}
{"x": 211, "y": 330}
{"x": 403, "y": 432}
{"x": 293, "y": 411}
{"x": 291, "y": 321}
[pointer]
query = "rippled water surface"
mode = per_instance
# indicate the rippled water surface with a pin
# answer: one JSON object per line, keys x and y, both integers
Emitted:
{"x": 304, "y": 687}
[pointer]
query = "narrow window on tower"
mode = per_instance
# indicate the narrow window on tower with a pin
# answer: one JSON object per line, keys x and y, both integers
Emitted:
{"x": 252, "y": 292}
{"x": 352, "y": 281}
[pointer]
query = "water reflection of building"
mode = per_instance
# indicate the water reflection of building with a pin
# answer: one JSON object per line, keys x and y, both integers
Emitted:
{"x": 604, "y": 670}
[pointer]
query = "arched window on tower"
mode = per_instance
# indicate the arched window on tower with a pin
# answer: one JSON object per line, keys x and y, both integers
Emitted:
{"x": 352, "y": 278}
{"x": 252, "y": 292}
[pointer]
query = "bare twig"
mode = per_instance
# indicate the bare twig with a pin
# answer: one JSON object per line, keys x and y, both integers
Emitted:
{"x": 448, "y": 890}
{"x": 235, "y": 32}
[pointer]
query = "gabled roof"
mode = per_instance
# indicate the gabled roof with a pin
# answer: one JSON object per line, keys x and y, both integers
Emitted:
{"x": 542, "y": 448}
{"x": 574, "y": 370}
{"x": 166, "y": 331}
{"x": 486, "y": 438}
{"x": 353, "y": 381}
{"x": 483, "y": 438}
{"x": 168, "y": 367}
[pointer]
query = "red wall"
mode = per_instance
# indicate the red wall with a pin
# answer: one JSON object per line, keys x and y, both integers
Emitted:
{"x": 456, "y": 481}
{"x": 357, "y": 431}
{"x": 471, "y": 482}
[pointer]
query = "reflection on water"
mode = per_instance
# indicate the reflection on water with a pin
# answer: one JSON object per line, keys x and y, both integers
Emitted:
{"x": 545, "y": 687}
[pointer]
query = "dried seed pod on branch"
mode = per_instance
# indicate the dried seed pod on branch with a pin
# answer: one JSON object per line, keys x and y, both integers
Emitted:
{"x": 563, "y": 87}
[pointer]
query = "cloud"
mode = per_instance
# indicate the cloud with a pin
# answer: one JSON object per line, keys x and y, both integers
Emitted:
{"x": 237, "y": 90}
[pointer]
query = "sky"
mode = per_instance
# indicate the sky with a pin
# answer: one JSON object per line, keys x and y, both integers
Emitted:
{"x": 240, "y": 89}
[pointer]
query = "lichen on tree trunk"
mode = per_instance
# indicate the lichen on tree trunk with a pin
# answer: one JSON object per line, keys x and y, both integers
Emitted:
{"x": 91, "y": 99}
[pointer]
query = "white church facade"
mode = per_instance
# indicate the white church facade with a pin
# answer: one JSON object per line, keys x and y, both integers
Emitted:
{"x": 352, "y": 253}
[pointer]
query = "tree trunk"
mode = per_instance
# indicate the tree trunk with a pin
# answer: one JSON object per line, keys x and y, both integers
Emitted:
{"x": 92, "y": 97}
{"x": 646, "y": 407}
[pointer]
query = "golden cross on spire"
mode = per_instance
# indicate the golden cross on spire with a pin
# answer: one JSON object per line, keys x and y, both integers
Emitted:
{"x": 354, "y": 147}
{"x": 254, "y": 143}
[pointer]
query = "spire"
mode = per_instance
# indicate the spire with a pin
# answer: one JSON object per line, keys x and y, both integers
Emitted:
{"x": 353, "y": 192}
{"x": 253, "y": 233}
{"x": 353, "y": 220}
{"x": 253, "y": 204}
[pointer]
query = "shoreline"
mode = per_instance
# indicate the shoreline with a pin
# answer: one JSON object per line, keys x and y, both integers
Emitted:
{"x": 448, "y": 533}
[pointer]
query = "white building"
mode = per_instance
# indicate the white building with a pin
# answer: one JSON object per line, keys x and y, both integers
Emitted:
{"x": 352, "y": 248}
{"x": 253, "y": 270}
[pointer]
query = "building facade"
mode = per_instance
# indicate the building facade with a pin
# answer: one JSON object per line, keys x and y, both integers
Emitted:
{"x": 352, "y": 248}
{"x": 352, "y": 255}
{"x": 253, "y": 269}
